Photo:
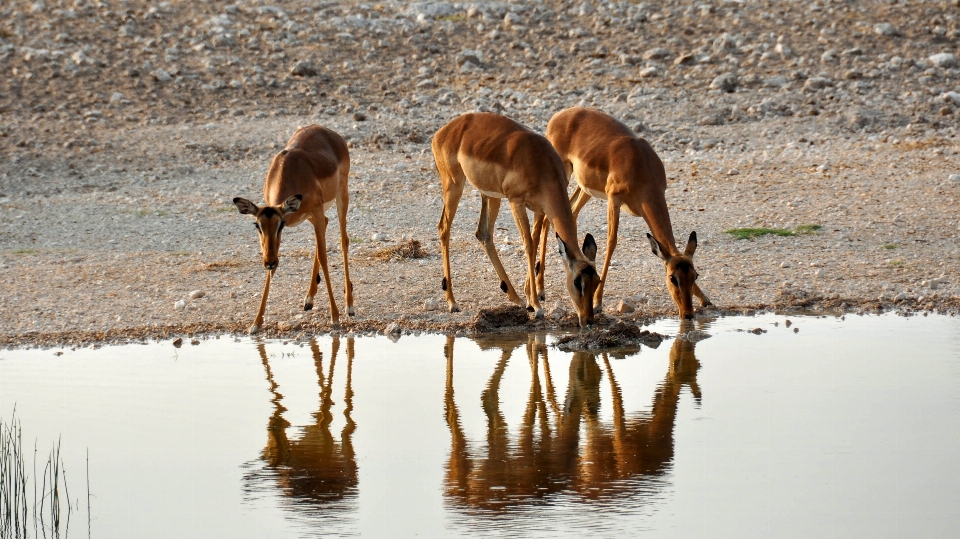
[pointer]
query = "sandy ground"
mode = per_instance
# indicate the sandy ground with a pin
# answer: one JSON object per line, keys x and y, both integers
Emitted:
{"x": 127, "y": 127}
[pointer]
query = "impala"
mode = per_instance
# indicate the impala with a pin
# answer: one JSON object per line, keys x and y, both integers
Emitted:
{"x": 610, "y": 162}
{"x": 504, "y": 159}
{"x": 304, "y": 180}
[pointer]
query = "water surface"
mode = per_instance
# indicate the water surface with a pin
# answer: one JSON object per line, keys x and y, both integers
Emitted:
{"x": 845, "y": 427}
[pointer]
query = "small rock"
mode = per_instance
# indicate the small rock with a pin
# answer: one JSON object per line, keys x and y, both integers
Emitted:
{"x": 733, "y": 172}
{"x": 819, "y": 273}
{"x": 392, "y": 328}
{"x": 685, "y": 58}
{"x": 194, "y": 342}
{"x": 885, "y": 29}
{"x": 756, "y": 331}
{"x": 197, "y": 294}
{"x": 943, "y": 59}
{"x": 359, "y": 116}
{"x": 784, "y": 264}
{"x": 796, "y": 330}
{"x": 954, "y": 178}
{"x": 378, "y": 236}
{"x": 823, "y": 168}
{"x": 178, "y": 342}
{"x": 950, "y": 97}
{"x": 288, "y": 326}
{"x": 726, "y": 82}
{"x": 303, "y": 68}
{"x": 829, "y": 56}
{"x": 431, "y": 304}
{"x": 471, "y": 56}
{"x": 180, "y": 305}
{"x": 161, "y": 75}
{"x": 658, "y": 53}
{"x": 649, "y": 72}
{"x": 626, "y": 306}
{"x": 118, "y": 98}
{"x": 694, "y": 335}
{"x": 817, "y": 83}
{"x": 557, "y": 311}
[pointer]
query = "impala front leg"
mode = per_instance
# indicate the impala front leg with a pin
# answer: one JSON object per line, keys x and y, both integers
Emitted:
{"x": 613, "y": 225}
{"x": 258, "y": 321}
{"x": 314, "y": 279}
{"x": 704, "y": 300}
{"x": 529, "y": 248}
{"x": 489, "y": 208}
{"x": 541, "y": 229}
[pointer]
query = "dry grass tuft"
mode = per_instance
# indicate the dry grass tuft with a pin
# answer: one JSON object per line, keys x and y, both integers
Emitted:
{"x": 404, "y": 251}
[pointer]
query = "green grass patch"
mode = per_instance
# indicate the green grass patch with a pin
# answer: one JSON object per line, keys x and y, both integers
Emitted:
{"x": 227, "y": 208}
{"x": 807, "y": 229}
{"x": 889, "y": 246}
{"x": 896, "y": 263}
{"x": 750, "y": 233}
{"x": 456, "y": 17}
{"x": 25, "y": 252}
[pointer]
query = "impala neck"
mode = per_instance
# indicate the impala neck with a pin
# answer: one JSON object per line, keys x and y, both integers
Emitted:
{"x": 567, "y": 230}
{"x": 658, "y": 219}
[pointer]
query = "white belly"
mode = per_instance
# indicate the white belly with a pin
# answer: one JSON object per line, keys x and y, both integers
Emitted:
{"x": 492, "y": 194}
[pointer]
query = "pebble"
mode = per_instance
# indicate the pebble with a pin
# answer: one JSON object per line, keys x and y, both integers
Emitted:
{"x": 694, "y": 335}
{"x": 431, "y": 304}
{"x": 178, "y": 342}
{"x": 943, "y": 59}
{"x": 823, "y": 168}
{"x": 819, "y": 273}
{"x": 950, "y": 97}
{"x": 726, "y": 82}
{"x": 197, "y": 294}
{"x": 392, "y": 328}
{"x": 626, "y": 306}
{"x": 649, "y": 72}
{"x": 885, "y": 29}
{"x": 288, "y": 326}
{"x": 304, "y": 68}
{"x": 378, "y": 236}
{"x": 784, "y": 264}
{"x": 658, "y": 53}
{"x": 180, "y": 305}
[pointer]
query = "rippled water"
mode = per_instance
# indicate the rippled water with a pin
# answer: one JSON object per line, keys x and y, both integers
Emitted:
{"x": 847, "y": 427}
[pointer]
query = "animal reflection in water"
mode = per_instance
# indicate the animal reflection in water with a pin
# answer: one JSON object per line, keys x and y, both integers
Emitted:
{"x": 314, "y": 468}
{"x": 548, "y": 454}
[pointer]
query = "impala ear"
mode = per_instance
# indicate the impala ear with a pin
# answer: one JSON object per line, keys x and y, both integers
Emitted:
{"x": 564, "y": 250}
{"x": 590, "y": 248}
{"x": 658, "y": 249}
{"x": 291, "y": 204}
{"x": 245, "y": 206}
{"x": 691, "y": 244}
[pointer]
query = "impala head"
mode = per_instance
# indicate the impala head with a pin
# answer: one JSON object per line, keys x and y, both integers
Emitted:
{"x": 582, "y": 278}
{"x": 681, "y": 275}
{"x": 269, "y": 223}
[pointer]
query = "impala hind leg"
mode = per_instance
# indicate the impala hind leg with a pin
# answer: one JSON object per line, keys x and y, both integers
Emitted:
{"x": 613, "y": 225}
{"x": 529, "y": 248}
{"x": 452, "y": 191}
{"x": 489, "y": 209}
{"x": 343, "y": 202}
{"x": 320, "y": 229}
{"x": 258, "y": 321}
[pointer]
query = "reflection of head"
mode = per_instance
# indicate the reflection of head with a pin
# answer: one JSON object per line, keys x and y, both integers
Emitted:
{"x": 566, "y": 448}
{"x": 314, "y": 467}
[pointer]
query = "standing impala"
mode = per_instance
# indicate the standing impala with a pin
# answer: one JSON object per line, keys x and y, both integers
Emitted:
{"x": 304, "y": 180}
{"x": 610, "y": 162}
{"x": 504, "y": 159}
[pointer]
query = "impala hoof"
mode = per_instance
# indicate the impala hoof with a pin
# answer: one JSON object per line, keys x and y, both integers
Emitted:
{"x": 307, "y": 305}
{"x": 706, "y": 303}
{"x": 598, "y": 308}
{"x": 351, "y": 311}
{"x": 539, "y": 314}
{"x": 254, "y": 329}
{"x": 454, "y": 308}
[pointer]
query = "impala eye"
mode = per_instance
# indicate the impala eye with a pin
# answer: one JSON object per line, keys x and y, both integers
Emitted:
{"x": 673, "y": 281}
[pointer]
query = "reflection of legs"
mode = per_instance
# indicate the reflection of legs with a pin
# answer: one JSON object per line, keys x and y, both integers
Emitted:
{"x": 523, "y": 225}
{"x": 320, "y": 228}
{"x": 258, "y": 321}
{"x": 489, "y": 209}
{"x": 613, "y": 225}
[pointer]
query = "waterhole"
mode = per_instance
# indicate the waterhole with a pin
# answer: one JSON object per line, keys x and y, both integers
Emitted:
{"x": 820, "y": 427}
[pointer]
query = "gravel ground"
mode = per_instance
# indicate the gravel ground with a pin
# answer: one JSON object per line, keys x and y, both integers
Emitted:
{"x": 126, "y": 127}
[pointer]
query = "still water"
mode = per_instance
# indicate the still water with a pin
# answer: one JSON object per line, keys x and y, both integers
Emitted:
{"x": 845, "y": 428}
